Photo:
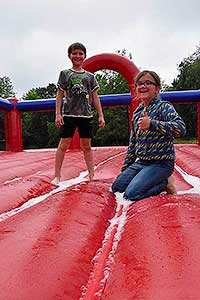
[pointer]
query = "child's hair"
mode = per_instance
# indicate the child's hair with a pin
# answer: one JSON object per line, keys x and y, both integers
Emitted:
{"x": 152, "y": 73}
{"x": 76, "y": 45}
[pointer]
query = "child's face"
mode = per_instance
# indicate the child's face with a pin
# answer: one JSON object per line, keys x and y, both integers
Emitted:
{"x": 146, "y": 88}
{"x": 77, "y": 57}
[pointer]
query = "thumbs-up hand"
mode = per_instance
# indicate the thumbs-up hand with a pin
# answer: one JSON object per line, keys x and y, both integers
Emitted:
{"x": 144, "y": 113}
{"x": 144, "y": 121}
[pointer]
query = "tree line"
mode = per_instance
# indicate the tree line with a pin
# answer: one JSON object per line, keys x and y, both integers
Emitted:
{"x": 39, "y": 130}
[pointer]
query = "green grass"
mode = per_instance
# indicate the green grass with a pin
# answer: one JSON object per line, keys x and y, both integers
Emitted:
{"x": 186, "y": 141}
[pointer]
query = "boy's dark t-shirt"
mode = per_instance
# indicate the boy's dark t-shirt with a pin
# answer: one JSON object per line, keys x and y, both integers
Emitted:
{"x": 78, "y": 88}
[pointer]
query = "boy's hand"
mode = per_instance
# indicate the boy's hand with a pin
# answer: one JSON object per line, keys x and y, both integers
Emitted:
{"x": 101, "y": 122}
{"x": 59, "y": 120}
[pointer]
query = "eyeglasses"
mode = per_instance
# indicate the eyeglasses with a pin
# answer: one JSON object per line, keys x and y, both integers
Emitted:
{"x": 145, "y": 83}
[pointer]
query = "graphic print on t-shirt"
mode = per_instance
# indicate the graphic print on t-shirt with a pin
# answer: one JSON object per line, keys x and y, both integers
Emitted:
{"x": 78, "y": 87}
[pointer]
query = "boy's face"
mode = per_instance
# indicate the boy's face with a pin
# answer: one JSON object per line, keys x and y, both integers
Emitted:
{"x": 77, "y": 57}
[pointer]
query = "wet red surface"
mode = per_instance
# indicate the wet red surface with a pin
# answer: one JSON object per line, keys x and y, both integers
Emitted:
{"x": 48, "y": 250}
{"x": 158, "y": 254}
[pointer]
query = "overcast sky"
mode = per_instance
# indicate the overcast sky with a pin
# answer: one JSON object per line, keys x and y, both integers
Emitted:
{"x": 35, "y": 34}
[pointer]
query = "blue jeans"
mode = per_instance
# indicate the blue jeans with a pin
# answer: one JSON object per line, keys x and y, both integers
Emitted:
{"x": 143, "y": 179}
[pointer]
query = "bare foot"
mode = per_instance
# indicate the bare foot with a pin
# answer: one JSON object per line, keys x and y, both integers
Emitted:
{"x": 55, "y": 181}
{"x": 91, "y": 177}
{"x": 170, "y": 189}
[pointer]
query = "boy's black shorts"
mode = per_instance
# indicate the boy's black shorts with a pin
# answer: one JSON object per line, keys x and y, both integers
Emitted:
{"x": 84, "y": 126}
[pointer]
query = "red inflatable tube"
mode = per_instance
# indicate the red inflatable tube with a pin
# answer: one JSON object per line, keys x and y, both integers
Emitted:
{"x": 48, "y": 249}
{"x": 158, "y": 254}
{"x": 56, "y": 249}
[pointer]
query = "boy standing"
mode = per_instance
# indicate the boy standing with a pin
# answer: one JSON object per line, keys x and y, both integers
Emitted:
{"x": 80, "y": 89}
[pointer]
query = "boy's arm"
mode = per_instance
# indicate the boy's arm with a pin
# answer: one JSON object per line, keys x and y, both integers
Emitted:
{"x": 97, "y": 105}
{"x": 59, "y": 98}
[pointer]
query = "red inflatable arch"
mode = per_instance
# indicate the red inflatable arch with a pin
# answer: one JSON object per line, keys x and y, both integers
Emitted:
{"x": 116, "y": 63}
{"x": 113, "y": 62}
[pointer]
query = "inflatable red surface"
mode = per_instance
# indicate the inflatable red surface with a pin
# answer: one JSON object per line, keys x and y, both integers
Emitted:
{"x": 79, "y": 241}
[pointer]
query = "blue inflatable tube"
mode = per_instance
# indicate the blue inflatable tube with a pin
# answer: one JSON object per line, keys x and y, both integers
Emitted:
{"x": 6, "y": 104}
{"x": 36, "y": 105}
{"x": 181, "y": 96}
{"x": 111, "y": 100}
{"x": 49, "y": 104}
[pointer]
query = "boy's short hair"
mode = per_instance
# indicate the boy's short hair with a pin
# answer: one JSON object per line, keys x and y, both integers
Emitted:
{"x": 76, "y": 45}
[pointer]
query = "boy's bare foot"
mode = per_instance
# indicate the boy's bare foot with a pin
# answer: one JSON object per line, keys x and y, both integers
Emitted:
{"x": 170, "y": 189}
{"x": 91, "y": 176}
{"x": 55, "y": 181}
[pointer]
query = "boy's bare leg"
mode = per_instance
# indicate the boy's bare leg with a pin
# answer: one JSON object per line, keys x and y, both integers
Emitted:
{"x": 60, "y": 154}
{"x": 88, "y": 155}
{"x": 170, "y": 189}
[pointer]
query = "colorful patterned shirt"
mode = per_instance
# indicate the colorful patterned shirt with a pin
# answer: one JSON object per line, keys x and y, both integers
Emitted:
{"x": 157, "y": 143}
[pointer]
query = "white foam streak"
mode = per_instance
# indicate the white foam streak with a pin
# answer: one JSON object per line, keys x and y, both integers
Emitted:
{"x": 14, "y": 179}
{"x": 116, "y": 221}
{"x": 62, "y": 185}
{"x": 192, "y": 180}
{"x": 110, "y": 158}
